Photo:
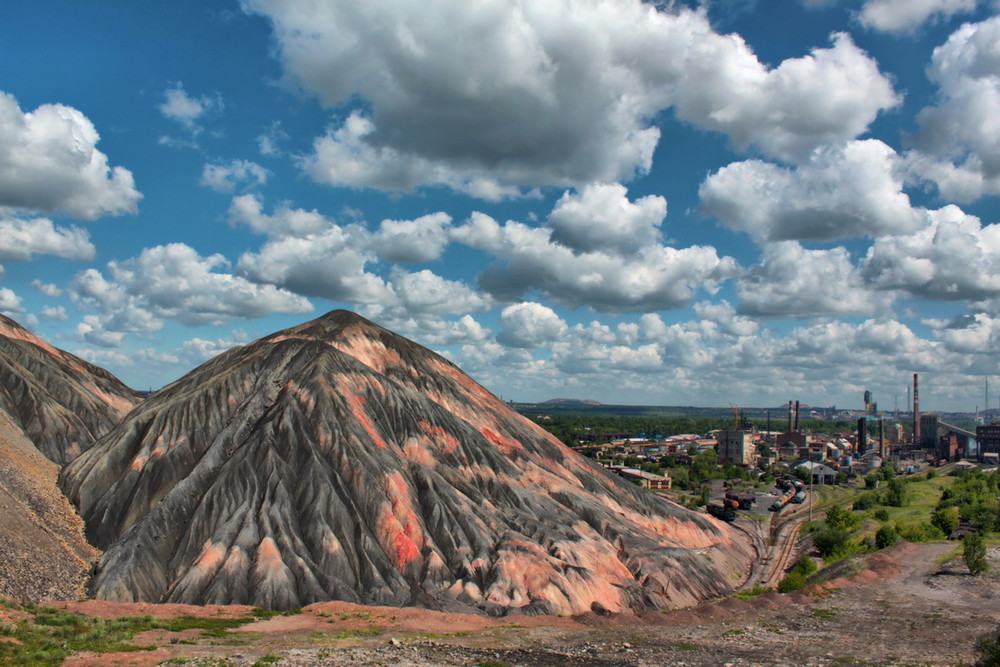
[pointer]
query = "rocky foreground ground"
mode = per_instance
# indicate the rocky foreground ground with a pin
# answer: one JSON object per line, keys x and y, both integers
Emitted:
{"x": 901, "y": 607}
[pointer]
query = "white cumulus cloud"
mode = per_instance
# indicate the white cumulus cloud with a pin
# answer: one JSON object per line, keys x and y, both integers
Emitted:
{"x": 419, "y": 240}
{"x": 49, "y": 162}
{"x": 792, "y": 281}
{"x": 21, "y": 239}
{"x": 601, "y": 217}
{"x": 548, "y": 93}
{"x": 954, "y": 257}
{"x": 10, "y": 303}
{"x": 285, "y": 221}
{"x": 959, "y": 139}
{"x": 655, "y": 278}
{"x": 227, "y": 178}
{"x": 530, "y": 324}
{"x": 840, "y": 191}
{"x": 904, "y": 16}
{"x": 171, "y": 282}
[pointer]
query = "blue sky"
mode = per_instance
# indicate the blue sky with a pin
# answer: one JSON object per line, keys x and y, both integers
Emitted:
{"x": 654, "y": 203}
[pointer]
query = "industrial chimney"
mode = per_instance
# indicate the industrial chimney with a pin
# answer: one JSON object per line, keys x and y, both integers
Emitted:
{"x": 796, "y": 416}
{"x": 789, "y": 416}
{"x": 916, "y": 411}
{"x": 881, "y": 438}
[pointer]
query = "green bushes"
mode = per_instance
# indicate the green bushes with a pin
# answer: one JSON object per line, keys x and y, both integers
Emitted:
{"x": 866, "y": 501}
{"x": 974, "y": 554}
{"x": 946, "y": 519}
{"x": 975, "y": 497}
{"x": 832, "y": 540}
{"x": 988, "y": 649}
{"x": 796, "y": 578}
{"x": 896, "y": 495}
{"x": 886, "y": 536}
{"x": 920, "y": 531}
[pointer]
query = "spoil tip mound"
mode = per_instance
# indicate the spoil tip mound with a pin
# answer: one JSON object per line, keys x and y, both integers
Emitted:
{"x": 337, "y": 460}
{"x": 61, "y": 402}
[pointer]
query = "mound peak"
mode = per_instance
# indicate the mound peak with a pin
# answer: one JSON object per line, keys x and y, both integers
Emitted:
{"x": 61, "y": 402}
{"x": 338, "y": 460}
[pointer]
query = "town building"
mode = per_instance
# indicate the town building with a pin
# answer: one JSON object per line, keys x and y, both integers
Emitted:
{"x": 988, "y": 437}
{"x": 647, "y": 480}
{"x": 737, "y": 447}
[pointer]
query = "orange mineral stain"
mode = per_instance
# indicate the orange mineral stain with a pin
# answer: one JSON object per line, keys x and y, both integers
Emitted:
{"x": 400, "y": 525}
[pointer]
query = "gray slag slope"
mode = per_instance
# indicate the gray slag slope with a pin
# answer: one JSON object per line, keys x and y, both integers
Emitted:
{"x": 337, "y": 460}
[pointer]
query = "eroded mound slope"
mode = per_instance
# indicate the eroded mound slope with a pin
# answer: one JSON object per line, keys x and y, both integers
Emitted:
{"x": 61, "y": 402}
{"x": 337, "y": 460}
{"x": 43, "y": 554}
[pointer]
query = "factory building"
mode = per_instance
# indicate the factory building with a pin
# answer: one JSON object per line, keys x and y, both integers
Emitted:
{"x": 737, "y": 446}
{"x": 988, "y": 437}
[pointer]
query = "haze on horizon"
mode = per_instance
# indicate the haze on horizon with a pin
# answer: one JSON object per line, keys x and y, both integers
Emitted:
{"x": 640, "y": 203}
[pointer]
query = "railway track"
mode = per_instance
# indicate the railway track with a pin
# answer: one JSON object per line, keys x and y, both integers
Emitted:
{"x": 776, "y": 543}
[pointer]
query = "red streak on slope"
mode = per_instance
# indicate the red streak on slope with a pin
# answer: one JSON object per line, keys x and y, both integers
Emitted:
{"x": 447, "y": 441}
{"x": 401, "y": 527}
{"x": 505, "y": 445}
{"x": 357, "y": 404}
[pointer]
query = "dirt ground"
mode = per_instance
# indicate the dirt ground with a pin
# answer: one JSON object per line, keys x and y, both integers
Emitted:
{"x": 894, "y": 608}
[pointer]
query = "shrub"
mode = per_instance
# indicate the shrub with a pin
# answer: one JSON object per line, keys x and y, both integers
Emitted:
{"x": 865, "y": 501}
{"x": 974, "y": 554}
{"x": 919, "y": 531}
{"x": 793, "y": 581}
{"x": 988, "y": 649}
{"x": 805, "y": 565}
{"x": 831, "y": 541}
{"x": 886, "y": 536}
{"x": 882, "y": 514}
{"x": 897, "y": 495}
{"x": 946, "y": 519}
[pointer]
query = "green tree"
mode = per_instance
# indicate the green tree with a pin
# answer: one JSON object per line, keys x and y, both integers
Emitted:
{"x": 946, "y": 518}
{"x": 886, "y": 536}
{"x": 866, "y": 501}
{"x": 897, "y": 495}
{"x": 838, "y": 517}
{"x": 831, "y": 541}
{"x": 974, "y": 554}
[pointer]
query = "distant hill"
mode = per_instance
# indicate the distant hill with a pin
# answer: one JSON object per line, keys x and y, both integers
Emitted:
{"x": 571, "y": 402}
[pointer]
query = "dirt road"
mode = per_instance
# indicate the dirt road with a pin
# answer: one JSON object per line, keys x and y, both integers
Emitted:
{"x": 897, "y": 608}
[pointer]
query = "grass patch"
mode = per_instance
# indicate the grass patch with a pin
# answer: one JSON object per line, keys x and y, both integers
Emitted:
{"x": 683, "y": 646}
{"x": 48, "y": 635}
{"x": 52, "y": 635}
{"x": 825, "y": 614}
{"x": 924, "y": 495}
{"x": 264, "y": 614}
{"x": 949, "y": 555}
{"x": 268, "y": 659}
{"x": 355, "y": 633}
{"x": 211, "y": 626}
{"x": 751, "y": 593}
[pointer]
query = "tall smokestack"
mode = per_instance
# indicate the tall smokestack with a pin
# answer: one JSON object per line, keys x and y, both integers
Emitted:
{"x": 862, "y": 436}
{"x": 789, "y": 416}
{"x": 796, "y": 416}
{"x": 881, "y": 438}
{"x": 916, "y": 411}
